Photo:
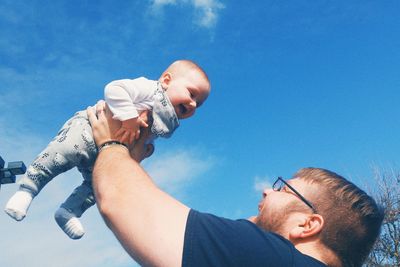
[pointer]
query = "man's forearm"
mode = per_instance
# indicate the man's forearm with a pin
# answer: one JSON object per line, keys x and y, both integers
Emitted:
{"x": 111, "y": 181}
{"x": 149, "y": 223}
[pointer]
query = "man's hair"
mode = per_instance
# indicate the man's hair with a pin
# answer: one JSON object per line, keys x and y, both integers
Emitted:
{"x": 352, "y": 218}
{"x": 189, "y": 65}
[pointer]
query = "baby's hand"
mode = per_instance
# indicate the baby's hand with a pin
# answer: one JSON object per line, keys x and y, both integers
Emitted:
{"x": 253, "y": 219}
{"x": 130, "y": 130}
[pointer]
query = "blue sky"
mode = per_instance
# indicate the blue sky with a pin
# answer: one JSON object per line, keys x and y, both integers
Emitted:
{"x": 294, "y": 84}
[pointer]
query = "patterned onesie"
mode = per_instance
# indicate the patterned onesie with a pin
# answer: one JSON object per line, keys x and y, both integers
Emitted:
{"x": 72, "y": 147}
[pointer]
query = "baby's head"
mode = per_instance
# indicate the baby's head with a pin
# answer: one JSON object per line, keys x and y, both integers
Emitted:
{"x": 187, "y": 87}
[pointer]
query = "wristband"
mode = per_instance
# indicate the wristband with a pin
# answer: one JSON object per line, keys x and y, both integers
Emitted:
{"x": 110, "y": 144}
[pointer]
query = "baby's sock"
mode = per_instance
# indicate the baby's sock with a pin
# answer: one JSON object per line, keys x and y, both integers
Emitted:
{"x": 69, "y": 223}
{"x": 18, "y": 204}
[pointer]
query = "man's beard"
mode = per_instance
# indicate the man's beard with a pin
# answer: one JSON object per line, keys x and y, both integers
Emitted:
{"x": 276, "y": 222}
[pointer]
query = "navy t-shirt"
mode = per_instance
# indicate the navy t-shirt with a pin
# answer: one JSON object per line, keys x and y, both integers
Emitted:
{"x": 216, "y": 241}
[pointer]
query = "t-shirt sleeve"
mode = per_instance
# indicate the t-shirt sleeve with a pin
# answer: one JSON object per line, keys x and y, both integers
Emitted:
{"x": 215, "y": 241}
{"x": 127, "y": 97}
{"x": 118, "y": 95}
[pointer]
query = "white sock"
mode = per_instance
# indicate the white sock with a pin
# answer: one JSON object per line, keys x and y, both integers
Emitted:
{"x": 74, "y": 229}
{"x": 18, "y": 205}
{"x": 69, "y": 223}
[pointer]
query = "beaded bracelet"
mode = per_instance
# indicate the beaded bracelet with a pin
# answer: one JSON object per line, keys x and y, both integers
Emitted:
{"x": 110, "y": 144}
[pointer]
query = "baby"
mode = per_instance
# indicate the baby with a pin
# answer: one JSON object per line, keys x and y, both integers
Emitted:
{"x": 182, "y": 88}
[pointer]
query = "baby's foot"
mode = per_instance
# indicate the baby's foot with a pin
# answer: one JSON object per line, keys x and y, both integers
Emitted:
{"x": 69, "y": 223}
{"x": 18, "y": 205}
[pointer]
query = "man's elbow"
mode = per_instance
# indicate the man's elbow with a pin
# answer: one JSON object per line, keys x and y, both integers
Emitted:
{"x": 107, "y": 205}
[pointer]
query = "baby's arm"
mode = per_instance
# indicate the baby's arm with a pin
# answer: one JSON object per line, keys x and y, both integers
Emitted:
{"x": 122, "y": 97}
{"x": 130, "y": 130}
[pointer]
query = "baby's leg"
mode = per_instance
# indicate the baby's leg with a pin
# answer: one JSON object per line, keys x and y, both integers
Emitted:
{"x": 45, "y": 167}
{"x": 63, "y": 153}
{"x": 76, "y": 204}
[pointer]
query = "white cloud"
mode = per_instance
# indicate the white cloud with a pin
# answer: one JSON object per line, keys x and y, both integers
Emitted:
{"x": 37, "y": 241}
{"x": 163, "y": 2}
{"x": 175, "y": 169}
{"x": 207, "y": 11}
{"x": 260, "y": 183}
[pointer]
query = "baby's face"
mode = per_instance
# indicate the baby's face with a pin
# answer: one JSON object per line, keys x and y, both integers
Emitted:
{"x": 187, "y": 92}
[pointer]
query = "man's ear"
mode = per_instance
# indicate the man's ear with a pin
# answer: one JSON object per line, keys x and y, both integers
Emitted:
{"x": 166, "y": 79}
{"x": 307, "y": 227}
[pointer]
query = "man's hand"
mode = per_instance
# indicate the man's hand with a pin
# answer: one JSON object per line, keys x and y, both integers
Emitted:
{"x": 103, "y": 125}
{"x": 105, "y": 128}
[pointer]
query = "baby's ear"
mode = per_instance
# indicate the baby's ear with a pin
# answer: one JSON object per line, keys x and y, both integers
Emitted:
{"x": 166, "y": 79}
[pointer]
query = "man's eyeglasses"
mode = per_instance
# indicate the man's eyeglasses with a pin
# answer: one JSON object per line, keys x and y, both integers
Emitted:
{"x": 279, "y": 184}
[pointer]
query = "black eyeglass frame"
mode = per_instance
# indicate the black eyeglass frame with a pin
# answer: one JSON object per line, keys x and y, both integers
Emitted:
{"x": 275, "y": 188}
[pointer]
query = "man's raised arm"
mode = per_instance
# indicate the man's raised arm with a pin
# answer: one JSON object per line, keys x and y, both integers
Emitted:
{"x": 149, "y": 223}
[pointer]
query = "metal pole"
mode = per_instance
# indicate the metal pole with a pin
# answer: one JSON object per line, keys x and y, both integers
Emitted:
{"x": 7, "y": 175}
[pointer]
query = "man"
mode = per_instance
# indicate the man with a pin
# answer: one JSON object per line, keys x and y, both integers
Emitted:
{"x": 315, "y": 219}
